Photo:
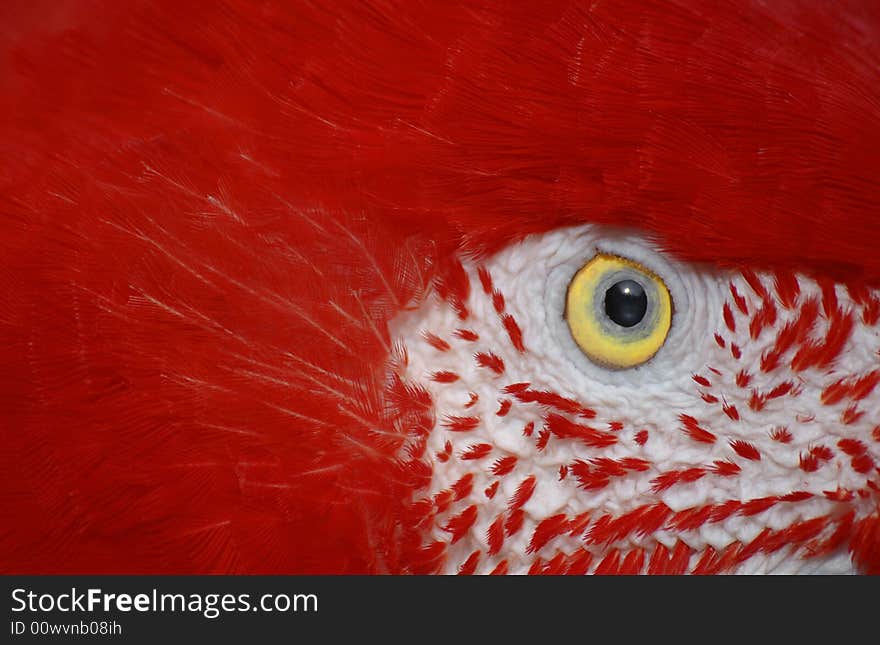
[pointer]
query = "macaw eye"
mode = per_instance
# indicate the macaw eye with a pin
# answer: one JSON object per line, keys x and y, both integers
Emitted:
{"x": 618, "y": 311}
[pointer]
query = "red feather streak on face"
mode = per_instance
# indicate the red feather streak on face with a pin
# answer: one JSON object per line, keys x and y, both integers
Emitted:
{"x": 211, "y": 212}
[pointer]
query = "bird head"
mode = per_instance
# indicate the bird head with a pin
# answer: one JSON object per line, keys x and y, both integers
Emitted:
{"x": 560, "y": 288}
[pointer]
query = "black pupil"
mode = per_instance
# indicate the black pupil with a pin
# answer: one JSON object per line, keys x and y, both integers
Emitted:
{"x": 626, "y": 303}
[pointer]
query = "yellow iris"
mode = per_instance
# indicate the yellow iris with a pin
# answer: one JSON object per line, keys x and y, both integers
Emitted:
{"x": 591, "y": 310}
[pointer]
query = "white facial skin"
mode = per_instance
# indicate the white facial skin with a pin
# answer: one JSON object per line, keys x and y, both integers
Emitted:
{"x": 774, "y": 456}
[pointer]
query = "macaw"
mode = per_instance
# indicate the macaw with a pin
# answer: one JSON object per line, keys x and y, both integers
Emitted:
{"x": 443, "y": 287}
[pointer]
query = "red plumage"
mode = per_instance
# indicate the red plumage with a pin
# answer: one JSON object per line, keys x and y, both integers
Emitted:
{"x": 210, "y": 211}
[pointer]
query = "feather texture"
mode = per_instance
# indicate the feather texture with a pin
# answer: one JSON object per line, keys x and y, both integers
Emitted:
{"x": 210, "y": 212}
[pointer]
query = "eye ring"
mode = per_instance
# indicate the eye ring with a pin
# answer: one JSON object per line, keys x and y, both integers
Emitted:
{"x": 618, "y": 312}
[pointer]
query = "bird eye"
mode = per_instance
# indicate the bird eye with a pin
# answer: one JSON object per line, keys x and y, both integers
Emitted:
{"x": 618, "y": 312}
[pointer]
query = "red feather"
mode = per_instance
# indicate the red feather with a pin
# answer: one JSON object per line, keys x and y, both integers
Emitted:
{"x": 210, "y": 211}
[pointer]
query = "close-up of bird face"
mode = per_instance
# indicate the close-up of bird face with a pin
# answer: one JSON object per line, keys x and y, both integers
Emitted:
{"x": 716, "y": 422}
{"x": 387, "y": 287}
